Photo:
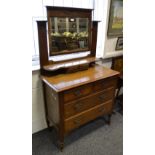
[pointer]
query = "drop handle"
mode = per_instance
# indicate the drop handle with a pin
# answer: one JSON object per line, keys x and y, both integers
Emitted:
{"x": 101, "y": 97}
{"x": 78, "y": 106}
{"x": 101, "y": 110}
{"x": 77, "y": 92}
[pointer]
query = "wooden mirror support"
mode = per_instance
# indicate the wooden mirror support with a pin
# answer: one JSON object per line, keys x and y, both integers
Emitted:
{"x": 50, "y": 67}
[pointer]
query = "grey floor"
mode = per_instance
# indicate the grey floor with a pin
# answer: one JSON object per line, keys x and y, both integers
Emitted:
{"x": 95, "y": 138}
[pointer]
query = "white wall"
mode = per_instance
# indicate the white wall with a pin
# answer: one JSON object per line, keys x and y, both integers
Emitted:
{"x": 110, "y": 43}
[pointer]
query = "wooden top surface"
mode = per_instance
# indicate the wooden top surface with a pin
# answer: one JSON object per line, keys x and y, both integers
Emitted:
{"x": 63, "y": 82}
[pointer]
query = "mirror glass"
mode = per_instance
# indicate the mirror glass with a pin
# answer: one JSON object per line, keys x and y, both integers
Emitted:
{"x": 68, "y": 35}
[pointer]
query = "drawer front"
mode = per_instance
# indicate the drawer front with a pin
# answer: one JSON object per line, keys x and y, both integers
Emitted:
{"x": 104, "y": 84}
{"x": 86, "y": 116}
{"x": 78, "y": 92}
{"x": 85, "y": 103}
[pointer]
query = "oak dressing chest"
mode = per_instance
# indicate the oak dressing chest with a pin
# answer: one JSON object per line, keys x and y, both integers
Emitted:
{"x": 76, "y": 91}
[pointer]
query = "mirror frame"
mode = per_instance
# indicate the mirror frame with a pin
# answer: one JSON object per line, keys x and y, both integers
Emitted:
{"x": 72, "y": 13}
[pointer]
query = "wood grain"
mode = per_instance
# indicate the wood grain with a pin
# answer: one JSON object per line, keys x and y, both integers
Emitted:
{"x": 86, "y": 116}
{"x": 78, "y": 92}
{"x": 88, "y": 102}
{"x": 67, "y": 81}
{"x": 43, "y": 52}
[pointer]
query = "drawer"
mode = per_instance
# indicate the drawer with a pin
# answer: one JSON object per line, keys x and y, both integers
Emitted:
{"x": 88, "y": 102}
{"x": 104, "y": 84}
{"x": 78, "y": 92}
{"x": 86, "y": 116}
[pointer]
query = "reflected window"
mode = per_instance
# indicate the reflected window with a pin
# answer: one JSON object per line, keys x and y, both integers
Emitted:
{"x": 67, "y": 35}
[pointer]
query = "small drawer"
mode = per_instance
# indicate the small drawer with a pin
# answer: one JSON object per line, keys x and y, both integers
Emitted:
{"x": 88, "y": 102}
{"x": 104, "y": 84}
{"x": 86, "y": 116}
{"x": 78, "y": 92}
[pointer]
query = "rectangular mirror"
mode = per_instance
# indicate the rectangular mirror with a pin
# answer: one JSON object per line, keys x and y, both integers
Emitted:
{"x": 67, "y": 35}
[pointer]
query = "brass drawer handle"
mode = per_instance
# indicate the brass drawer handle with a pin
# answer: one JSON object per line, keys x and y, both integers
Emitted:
{"x": 77, "y": 92}
{"x": 78, "y": 106}
{"x": 101, "y": 97}
{"x": 101, "y": 110}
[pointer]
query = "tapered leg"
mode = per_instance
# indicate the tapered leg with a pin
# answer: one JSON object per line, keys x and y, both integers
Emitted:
{"x": 48, "y": 123}
{"x": 61, "y": 140}
{"x": 61, "y": 145}
{"x": 107, "y": 119}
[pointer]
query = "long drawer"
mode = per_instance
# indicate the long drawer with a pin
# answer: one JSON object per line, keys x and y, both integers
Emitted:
{"x": 76, "y": 93}
{"x": 88, "y": 102}
{"x": 88, "y": 115}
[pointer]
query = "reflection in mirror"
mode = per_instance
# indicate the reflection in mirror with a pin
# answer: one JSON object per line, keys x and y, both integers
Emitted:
{"x": 67, "y": 35}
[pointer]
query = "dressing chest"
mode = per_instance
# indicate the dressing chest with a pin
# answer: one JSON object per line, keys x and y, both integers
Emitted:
{"x": 76, "y": 91}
